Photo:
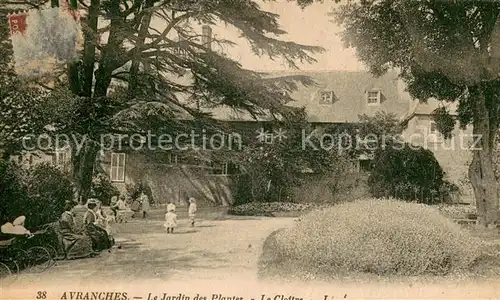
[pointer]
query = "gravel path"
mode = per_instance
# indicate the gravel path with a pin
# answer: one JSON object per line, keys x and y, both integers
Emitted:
{"x": 211, "y": 250}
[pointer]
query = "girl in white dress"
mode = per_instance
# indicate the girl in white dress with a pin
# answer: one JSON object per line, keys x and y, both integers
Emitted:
{"x": 170, "y": 221}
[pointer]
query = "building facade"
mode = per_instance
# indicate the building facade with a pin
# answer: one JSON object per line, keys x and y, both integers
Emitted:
{"x": 331, "y": 97}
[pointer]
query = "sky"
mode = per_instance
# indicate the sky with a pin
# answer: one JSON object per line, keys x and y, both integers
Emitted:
{"x": 311, "y": 26}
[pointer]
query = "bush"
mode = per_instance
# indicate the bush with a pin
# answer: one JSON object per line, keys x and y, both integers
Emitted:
{"x": 241, "y": 186}
{"x": 12, "y": 191}
{"x": 103, "y": 189}
{"x": 48, "y": 190}
{"x": 38, "y": 193}
{"x": 408, "y": 174}
{"x": 271, "y": 171}
{"x": 382, "y": 237}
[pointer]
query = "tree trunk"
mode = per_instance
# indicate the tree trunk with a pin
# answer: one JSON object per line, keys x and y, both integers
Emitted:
{"x": 143, "y": 32}
{"x": 83, "y": 169}
{"x": 481, "y": 169}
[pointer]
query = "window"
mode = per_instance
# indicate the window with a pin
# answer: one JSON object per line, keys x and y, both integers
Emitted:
{"x": 226, "y": 168}
{"x": 117, "y": 167}
{"x": 433, "y": 128}
{"x": 327, "y": 97}
{"x": 60, "y": 159}
{"x": 366, "y": 165}
{"x": 373, "y": 97}
{"x": 173, "y": 159}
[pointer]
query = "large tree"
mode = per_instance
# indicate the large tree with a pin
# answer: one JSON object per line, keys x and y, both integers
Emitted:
{"x": 144, "y": 61}
{"x": 21, "y": 104}
{"x": 448, "y": 50}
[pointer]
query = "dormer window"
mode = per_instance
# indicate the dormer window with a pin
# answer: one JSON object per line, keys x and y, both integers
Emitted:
{"x": 327, "y": 97}
{"x": 373, "y": 97}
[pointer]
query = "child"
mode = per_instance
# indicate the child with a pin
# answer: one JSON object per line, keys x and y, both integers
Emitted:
{"x": 170, "y": 221}
{"x": 145, "y": 205}
{"x": 192, "y": 210}
{"x": 171, "y": 206}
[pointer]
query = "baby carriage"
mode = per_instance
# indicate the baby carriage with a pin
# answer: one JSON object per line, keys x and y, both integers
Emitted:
{"x": 25, "y": 252}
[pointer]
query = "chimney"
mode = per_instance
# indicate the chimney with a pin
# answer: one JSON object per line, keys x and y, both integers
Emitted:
{"x": 206, "y": 36}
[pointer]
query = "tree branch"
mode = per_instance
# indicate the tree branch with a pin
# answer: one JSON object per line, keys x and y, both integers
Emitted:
{"x": 167, "y": 30}
{"x": 29, "y": 3}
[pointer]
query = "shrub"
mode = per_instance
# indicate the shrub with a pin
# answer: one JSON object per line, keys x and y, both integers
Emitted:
{"x": 271, "y": 171}
{"x": 12, "y": 191}
{"x": 48, "y": 189}
{"x": 406, "y": 173}
{"x": 103, "y": 189}
{"x": 241, "y": 186}
{"x": 382, "y": 237}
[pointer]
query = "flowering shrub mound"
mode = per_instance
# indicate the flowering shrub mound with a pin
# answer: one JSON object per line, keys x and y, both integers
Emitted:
{"x": 268, "y": 208}
{"x": 382, "y": 237}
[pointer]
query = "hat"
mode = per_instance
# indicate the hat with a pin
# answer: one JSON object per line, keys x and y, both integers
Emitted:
{"x": 192, "y": 200}
{"x": 19, "y": 221}
{"x": 92, "y": 201}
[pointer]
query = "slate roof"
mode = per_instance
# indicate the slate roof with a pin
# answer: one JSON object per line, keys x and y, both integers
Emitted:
{"x": 350, "y": 89}
{"x": 427, "y": 108}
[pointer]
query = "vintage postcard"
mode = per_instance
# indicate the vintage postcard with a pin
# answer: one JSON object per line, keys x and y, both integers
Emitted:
{"x": 249, "y": 149}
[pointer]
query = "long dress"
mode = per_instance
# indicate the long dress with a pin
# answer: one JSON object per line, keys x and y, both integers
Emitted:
{"x": 170, "y": 220}
{"x": 145, "y": 203}
{"x": 79, "y": 215}
{"x": 75, "y": 245}
{"x": 100, "y": 238}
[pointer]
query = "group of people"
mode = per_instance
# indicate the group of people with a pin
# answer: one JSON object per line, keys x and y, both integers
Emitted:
{"x": 171, "y": 216}
{"x": 85, "y": 230}
{"x": 123, "y": 211}
{"x": 81, "y": 231}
